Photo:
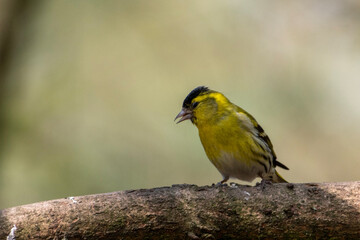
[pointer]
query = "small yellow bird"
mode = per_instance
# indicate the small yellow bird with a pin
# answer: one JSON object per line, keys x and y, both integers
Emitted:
{"x": 233, "y": 141}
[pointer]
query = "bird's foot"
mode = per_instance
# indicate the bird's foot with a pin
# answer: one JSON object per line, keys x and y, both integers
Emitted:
{"x": 220, "y": 184}
{"x": 263, "y": 183}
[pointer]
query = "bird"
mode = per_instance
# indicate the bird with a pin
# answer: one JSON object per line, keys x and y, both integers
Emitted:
{"x": 232, "y": 139}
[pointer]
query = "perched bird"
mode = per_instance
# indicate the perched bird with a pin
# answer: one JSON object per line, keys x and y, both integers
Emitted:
{"x": 233, "y": 140}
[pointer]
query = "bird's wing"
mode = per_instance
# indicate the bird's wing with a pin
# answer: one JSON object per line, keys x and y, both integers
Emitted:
{"x": 260, "y": 137}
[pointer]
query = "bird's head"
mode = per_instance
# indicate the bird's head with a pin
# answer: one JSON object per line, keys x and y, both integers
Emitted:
{"x": 202, "y": 105}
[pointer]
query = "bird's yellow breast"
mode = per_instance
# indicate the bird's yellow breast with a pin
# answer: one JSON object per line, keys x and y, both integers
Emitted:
{"x": 225, "y": 137}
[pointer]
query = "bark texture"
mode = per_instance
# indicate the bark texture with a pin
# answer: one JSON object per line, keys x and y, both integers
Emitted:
{"x": 275, "y": 211}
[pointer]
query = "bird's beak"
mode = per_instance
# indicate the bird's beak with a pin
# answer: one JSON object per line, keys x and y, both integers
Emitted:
{"x": 185, "y": 114}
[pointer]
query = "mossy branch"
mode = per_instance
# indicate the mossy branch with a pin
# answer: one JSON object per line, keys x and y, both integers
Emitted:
{"x": 277, "y": 211}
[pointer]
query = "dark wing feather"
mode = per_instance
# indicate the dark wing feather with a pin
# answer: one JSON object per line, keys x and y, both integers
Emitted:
{"x": 264, "y": 137}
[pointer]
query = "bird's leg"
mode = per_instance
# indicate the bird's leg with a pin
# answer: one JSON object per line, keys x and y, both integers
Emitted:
{"x": 225, "y": 178}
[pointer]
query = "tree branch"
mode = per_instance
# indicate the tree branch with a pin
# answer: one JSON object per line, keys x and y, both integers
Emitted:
{"x": 278, "y": 211}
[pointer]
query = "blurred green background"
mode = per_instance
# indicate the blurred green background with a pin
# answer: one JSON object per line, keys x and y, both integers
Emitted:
{"x": 90, "y": 90}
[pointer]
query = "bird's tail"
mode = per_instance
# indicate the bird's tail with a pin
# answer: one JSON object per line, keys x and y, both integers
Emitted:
{"x": 277, "y": 178}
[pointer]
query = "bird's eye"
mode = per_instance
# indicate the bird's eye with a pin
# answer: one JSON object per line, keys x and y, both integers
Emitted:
{"x": 194, "y": 105}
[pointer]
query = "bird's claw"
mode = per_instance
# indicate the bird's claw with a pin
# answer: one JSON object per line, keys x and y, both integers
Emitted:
{"x": 263, "y": 183}
{"x": 220, "y": 184}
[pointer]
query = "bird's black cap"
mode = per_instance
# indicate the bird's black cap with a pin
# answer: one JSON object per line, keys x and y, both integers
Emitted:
{"x": 193, "y": 94}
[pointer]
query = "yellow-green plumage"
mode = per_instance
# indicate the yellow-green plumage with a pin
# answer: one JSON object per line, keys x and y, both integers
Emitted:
{"x": 232, "y": 139}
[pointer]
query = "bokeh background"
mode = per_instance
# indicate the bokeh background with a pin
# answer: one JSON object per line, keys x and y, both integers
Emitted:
{"x": 90, "y": 89}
